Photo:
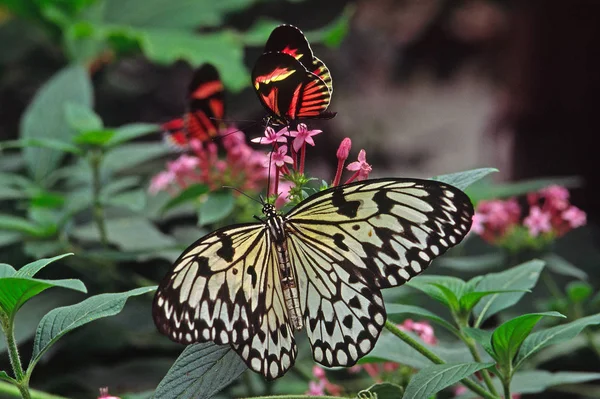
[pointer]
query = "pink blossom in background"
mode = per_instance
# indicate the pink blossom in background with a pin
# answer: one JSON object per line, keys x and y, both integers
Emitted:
{"x": 161, "y": 182}
{"x": 556, "y": 196}
{"x": 422, "y": 328}
{"x": 477, "y": 224}
{"x": 318, "y": 372}
{"x": 537, "y": 221}
{"x": 360, "y": 167}
{"x": 574, "y": 216}
{"x": 303, "y": 135}
{"x": 316, "y": 388}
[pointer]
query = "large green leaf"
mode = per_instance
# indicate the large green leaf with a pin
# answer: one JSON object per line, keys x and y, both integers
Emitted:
{"x": 190, "y": 194}
{"x": 522, "y": 277}
{"x": 60, "y": 321}
{"x": 6, "y": 270}
{"x": 472, "y": 264}
{"x": 433, "y": 379}
{"x": 218, "y": 205}
{"x": 30, "y": 269}
{"x": 508, "y": 337}
{"x": 81, "y": 117}
{"x": 486, "y": 190}
{"x": 45, "y": 118}
{"x": 132, "y": 154}
{"x": 444, "y": 289}
{"x": 200, "y": 372}
{"x": 560, "y": 265}
{"x": 483, "y": 337}
{"x": 130, "y": 132}
{"x": 15, "y": 291}
{"x": 554, "y": 335}
{"x": 462, "y": 180}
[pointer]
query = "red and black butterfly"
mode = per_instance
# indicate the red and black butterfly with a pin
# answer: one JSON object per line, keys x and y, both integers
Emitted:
{"x": 205, "y": 110}
{"x": 291, "y": 83}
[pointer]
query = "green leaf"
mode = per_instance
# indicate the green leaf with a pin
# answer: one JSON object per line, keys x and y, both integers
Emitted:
{"x": 223, "y": 49}
{"x": 130, "y": 155}
{"x": 383, "y": 390}
{"x": 5, "y": 376}
{"x": 42, "y": 143}
{"x": 15, "y": 291}
{"x": 94, "y": 138}
{"x": 200, "y": 372}
{"x": 6, "y": 270}
{"x": 81, "y": 117}
{"x": 47, "y": 200}
{"x": 61, "y": 320}
{"x": 521, "y": 277}
{"x": 560, "y": 265}
{"x": 22, "y": 225}
{"x": 9, "y": 238}
{"x": 134, "y": 200}
{"x": 394, "y": 308}
{"x": 30, "y": 269}
{"x": 462, "y": 180}
{"x": 536, "y": 381}
{"x": 217, "y": 206}
{"x": 483, "y": 337}
{"x": 433, "y": 379}
{"x": 508, "y": 337}
{"x": 45, "y": 119}
{"x": 130, "y": 132}
{"x": 118, "y": 185}
{"x": 431, "y": 285}
{"x": 554, "y": 335}
{"x": 579, "y": 291}
{"x": 470, "y": 300}
{"x": 472, "y": 264}
{"x": 192, "y": 193}
{"x": 485, "y": 189}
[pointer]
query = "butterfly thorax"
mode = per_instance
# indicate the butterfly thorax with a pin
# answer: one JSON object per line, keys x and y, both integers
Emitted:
{"x": 276, "y": 225}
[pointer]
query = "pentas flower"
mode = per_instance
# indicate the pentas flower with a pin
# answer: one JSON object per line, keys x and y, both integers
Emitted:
{"x": 104, "y": 394}
{"x": 548, "y": 215}
{"x": 271, "y": 136}
{"x": 361, "y": 167}
{"x": 279, "y": 156}
{"x": 322, "y": 385}
{"x": 303, "y": 136}
{"x": 421, "y": 328}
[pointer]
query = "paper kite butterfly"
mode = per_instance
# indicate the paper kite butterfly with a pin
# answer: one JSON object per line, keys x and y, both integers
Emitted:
{"x": 205, "y": 109}
{"x": 321, "y": 267}
{"x": 290, "y": 82}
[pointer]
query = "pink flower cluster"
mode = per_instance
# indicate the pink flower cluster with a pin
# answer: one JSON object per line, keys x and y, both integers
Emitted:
{"x": 287, "y": 160}
{"x": 104, "y": 394}
{"x": 549, "y": 215}
{"x": 322, "y": 385}
{"x": 376, "y": 370}
{"x": 242, "y": 167}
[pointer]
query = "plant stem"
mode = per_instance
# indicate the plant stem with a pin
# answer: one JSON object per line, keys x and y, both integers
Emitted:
{"x": 98, "y": 211}
{"x": 13, "y": 351}
{"x": 8, "y": 390}
{"x": 435, "y": 358}
{"x": 485, "y": 373}
{"x": 506, "y": 384}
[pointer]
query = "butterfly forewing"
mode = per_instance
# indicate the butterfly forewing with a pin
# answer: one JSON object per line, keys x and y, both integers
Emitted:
{"x": 217, "y": 290}
{"x": 290, "y": 40}
{"x": 288, "y": 90}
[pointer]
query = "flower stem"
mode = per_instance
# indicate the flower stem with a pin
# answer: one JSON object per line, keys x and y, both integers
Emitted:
{"x": 485, "y": 373}
{"x": 21, "y": 381}
{"x": 435, "y": 358}
{"x": 302, "y": 157}
{"x": 98, "y": 210}
{"x": 9, "y": 390}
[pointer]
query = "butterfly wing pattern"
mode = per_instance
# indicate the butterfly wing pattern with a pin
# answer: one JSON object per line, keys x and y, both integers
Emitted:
{"x": 290, "y": 82}
{"x": 322, "y": 266}
{"x": 205, "y": 109}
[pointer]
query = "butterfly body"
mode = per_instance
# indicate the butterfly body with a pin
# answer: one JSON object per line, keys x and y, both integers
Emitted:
{"x": 320, "y": 266}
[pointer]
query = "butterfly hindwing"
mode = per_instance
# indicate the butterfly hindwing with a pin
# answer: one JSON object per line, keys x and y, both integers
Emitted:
{"x": 287, "y": 90}
{"x": 348, "y": 242}
{"x": 290, "y": 40}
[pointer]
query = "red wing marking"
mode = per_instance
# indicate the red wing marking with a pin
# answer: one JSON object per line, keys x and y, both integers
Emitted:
{"x": 294, "y": 102}
{"x": 217, "y": 107}
{"x": 207, "y": 89}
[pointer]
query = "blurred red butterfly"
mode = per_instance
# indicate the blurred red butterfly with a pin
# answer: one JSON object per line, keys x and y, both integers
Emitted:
{"x": 290, "y": 82}
{"x": 205, "y": 109}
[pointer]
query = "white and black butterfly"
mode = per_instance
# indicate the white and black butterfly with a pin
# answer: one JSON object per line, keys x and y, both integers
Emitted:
{"x": 321, "y": 266}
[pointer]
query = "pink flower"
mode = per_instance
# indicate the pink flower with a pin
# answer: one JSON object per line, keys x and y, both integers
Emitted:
{"x": 357, "y": 368}
{"x": 183, "y": 165}
{"x": 316, "y": 388}
{"x": 271, "y": 136}
{"x": 423, "y": 330}
{"x": 344, "y": 149}
{"x": 361, "y": 167}
{"x": 104, "y": 394}
{"x": 283, "y": 198}
{"x": 478, "y": 223}
{"x": 556, "y": 196}
{"x": 279, "y": 157}
{"x": 574, "y": 216}
{"x": 161, "y": 181}
{"x": 537, "y": 221}
{"x": 318, "y": 372}
{"x": 303, "y": 135}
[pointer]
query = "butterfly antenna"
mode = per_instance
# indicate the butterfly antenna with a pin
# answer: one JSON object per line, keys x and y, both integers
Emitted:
{"x": 235, "y": 131}
{"x": 244, "y": 194}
